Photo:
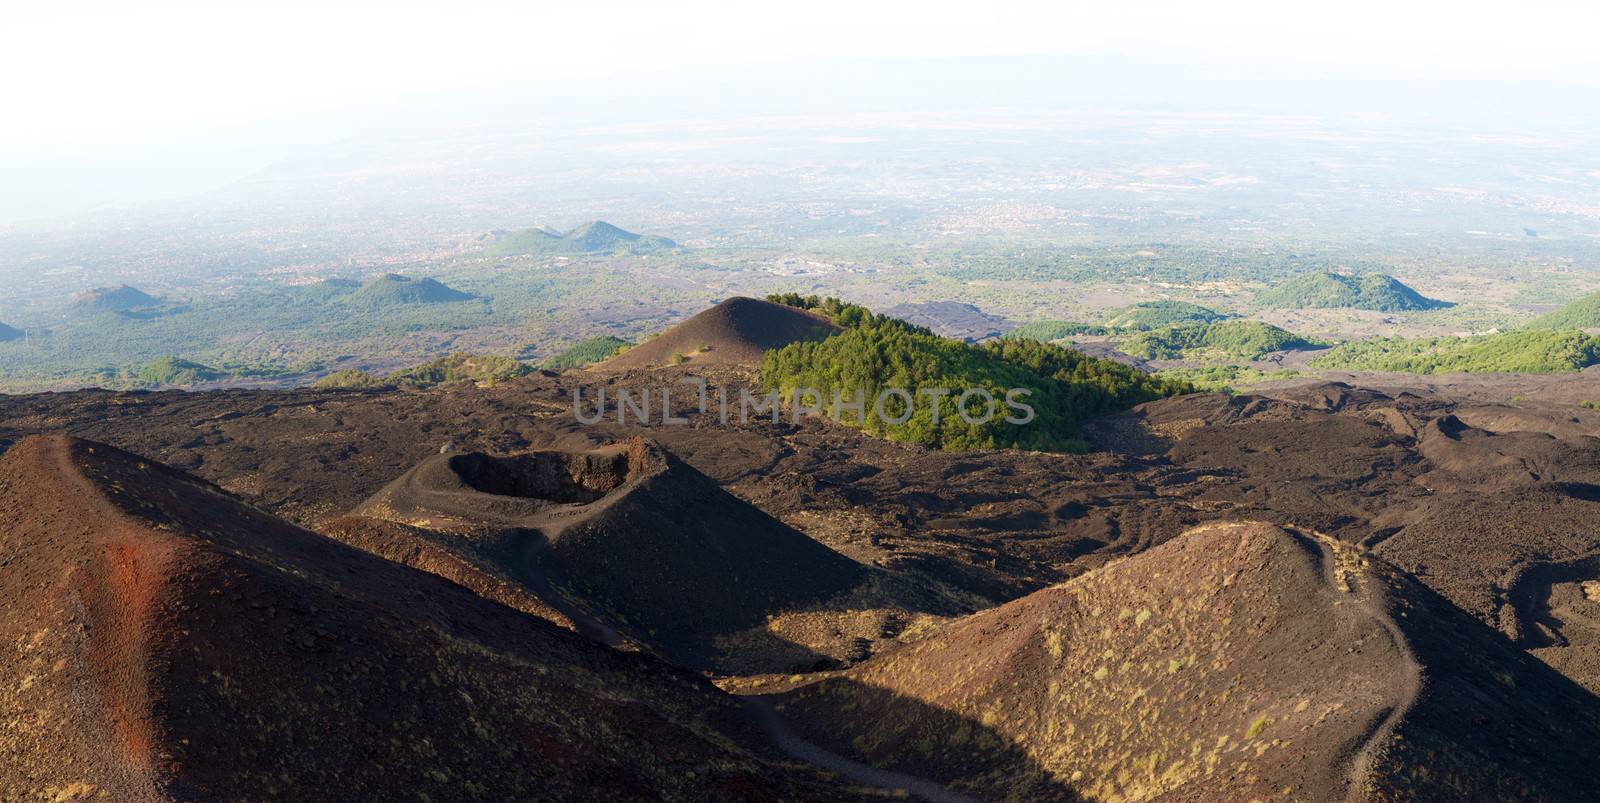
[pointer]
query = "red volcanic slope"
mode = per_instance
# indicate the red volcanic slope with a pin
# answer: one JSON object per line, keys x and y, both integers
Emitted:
{"x": 160, "y": 640}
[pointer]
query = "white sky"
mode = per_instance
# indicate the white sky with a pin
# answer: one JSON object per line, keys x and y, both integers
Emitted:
{"x": 86, "y": 84}
{"x": 80, "y": 74}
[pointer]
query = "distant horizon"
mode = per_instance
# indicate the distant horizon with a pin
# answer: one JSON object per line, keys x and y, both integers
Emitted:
{"x": 68, "y": 189}
{"x": 119, "y": 114}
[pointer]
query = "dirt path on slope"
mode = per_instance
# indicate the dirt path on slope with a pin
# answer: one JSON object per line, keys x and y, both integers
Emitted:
{"x": 1362, "y": 763}
{"x": 789, "y": 742}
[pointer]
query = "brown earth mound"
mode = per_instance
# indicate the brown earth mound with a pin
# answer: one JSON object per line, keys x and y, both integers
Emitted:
{"x": 1471, "y": 459}
{"x": 160, "y": 640}
{"x": 1236, "y": 662}
{"x": 734, "y": 332}
{"x": 624, "y": 537}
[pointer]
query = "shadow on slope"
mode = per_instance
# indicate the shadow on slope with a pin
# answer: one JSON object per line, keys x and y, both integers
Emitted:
{"x": 625, "y": 539}
{"x": 917, "y": 738}
{"x": 1561, "y": 605}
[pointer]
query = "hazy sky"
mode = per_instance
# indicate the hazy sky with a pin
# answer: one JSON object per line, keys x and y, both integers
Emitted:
{"x": 89, "y": 87}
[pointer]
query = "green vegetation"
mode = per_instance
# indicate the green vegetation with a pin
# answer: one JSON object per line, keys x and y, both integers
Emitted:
{"x": 447, "y": 370}
{"x": 1049, "y": 331}
{"x": 1147, "y": 315}
{"x": 1223, "y": 378}
{"x": 587, "y": 352}
{"x": 1581, "y": 314}
{"x": 1530, "y": 351}
{"x": 392, "y": 289}
{"x": 876, "y": 353}
{"x": 1324, "y": 290}
{"x": 1242, "y": 340}
{"x": 842, "y": 313}
{"x": 594, "y": 237}
{"x": 460, "y": 368}
{"x": 349, "y": 378}
{"x": 171, "y": 370}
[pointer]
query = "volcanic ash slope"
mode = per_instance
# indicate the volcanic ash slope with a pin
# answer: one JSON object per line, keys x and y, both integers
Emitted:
{"x": 734, "y": 332}
{"x": 1238, "y": 661}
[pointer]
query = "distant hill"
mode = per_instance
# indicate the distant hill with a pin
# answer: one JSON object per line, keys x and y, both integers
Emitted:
{"x": 952, "y": 319}
{"x": 736, "y": 332}
{"x": 391, "y": 289}
{"x": 586, "y": 352}
{"x": 598, "y": 235}
{"x": 326, "y": 290}
{"x": 114, "y": 299}
{"x": 1156, "y": 314}
{"x": 524, "y": 242}
{"x": 1247, "y": 340}
{"x": 171, "y": 370}
{"x": 1369, "y": 291}
{"x": 594, "y": 237}
{"x": 10, "y": 333}
{"x": 1581, "y": 314}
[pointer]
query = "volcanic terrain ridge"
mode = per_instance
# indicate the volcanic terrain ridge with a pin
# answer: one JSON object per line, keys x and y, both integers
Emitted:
{"x": 1237, "y": 661}
{"x": 1414, "y": 566}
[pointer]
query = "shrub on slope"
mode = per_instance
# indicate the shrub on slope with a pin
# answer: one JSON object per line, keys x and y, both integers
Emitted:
{"x": 586, "y": 352}
{"x": 1048, "y": 331}
{"x": 171, "y": 370}
{"x": 447, "y": 370}
{"x": 876, "y": 353}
